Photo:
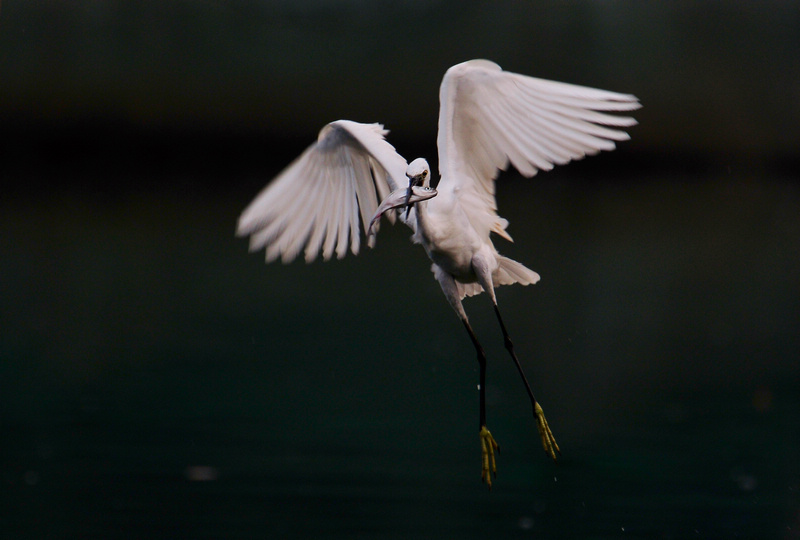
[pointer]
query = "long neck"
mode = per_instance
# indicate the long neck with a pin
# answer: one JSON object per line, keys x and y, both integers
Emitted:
{"x": 421, "y": 216}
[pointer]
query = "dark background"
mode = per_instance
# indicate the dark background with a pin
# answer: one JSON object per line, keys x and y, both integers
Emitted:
{"x": 156, "y": 381}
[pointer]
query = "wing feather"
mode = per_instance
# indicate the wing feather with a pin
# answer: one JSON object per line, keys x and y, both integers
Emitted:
{"x": 332, "y": 213}
{"x": 324, "y": 199}
{"x": 490, "y": 118}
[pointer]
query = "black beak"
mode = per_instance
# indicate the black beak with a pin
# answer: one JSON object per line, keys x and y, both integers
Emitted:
{"x": 412, "y": 181}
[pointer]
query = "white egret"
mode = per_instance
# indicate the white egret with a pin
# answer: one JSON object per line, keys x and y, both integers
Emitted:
{"x": 488, "y": 118}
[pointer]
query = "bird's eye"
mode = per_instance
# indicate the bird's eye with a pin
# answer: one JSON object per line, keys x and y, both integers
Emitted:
{"x": 424, "y": 174}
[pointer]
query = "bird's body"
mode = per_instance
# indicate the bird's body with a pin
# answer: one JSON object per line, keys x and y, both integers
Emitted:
{"x": 488, "y": 118}
{"x": 445, "y": 233}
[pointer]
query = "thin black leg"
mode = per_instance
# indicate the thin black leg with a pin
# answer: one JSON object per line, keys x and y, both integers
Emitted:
{"x": 548, "y": 441}
{"x": 510, "y": 348}
{"x": 482, "y": 364}
{"x": 488, "y": 445}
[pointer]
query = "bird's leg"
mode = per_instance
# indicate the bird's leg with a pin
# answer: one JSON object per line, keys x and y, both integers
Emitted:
{"x": 548, "y": 441}
{"x": 483, "y": 272}
{"x": 488, "y": 444}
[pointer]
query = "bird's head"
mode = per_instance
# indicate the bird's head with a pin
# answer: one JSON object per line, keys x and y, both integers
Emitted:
{"x": 419, "y": 175}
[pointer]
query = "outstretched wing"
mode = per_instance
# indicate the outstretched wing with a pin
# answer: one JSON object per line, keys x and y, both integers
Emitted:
{"x": 317, "y": 203}
{"x": 489, "y": 118}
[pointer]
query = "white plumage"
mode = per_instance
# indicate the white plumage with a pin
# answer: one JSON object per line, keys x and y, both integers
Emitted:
{"x": 488, "y": 118}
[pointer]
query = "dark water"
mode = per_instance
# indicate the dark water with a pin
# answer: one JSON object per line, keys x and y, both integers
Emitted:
{"x": 159, "y": 382}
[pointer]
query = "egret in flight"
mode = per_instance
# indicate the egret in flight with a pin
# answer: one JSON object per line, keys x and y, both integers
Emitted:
{"x": 488, "y": 118}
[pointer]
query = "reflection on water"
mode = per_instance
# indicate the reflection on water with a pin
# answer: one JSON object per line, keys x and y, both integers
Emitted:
{"x": 159, "y": 381}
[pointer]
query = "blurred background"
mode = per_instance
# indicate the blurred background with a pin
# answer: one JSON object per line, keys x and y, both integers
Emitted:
{"x": 157, "y": 381}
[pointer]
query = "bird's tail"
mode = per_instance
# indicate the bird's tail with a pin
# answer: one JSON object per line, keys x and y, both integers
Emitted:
{"x": 508, "y": 272}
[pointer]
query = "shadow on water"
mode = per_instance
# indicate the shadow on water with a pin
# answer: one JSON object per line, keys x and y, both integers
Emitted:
{"x": 159, "y": 381}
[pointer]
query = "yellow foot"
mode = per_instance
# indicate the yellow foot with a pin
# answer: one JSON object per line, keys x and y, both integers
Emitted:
{"x": 548, "y": 441}
{"x": 488, "y": 446}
